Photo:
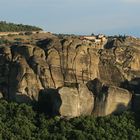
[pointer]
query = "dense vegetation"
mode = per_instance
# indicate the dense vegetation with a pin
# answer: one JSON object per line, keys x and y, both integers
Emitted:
{"x": 21, "y": 122}
{"x": 11, "y": 27}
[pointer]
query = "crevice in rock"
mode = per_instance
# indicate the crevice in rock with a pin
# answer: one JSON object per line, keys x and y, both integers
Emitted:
{"x": 51, "y": 75}
{"x": 74, "y": 67}
{"x": 89, "y": 63}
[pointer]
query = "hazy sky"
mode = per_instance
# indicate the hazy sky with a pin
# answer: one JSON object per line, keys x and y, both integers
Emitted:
{"x": 76, "y": 16}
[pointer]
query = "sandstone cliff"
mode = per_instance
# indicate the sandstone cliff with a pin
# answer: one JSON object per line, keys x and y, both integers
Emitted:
{"x": 65, "y": 62}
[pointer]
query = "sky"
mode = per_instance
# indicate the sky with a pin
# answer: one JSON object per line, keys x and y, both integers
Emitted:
{"x": 110, "y": 17}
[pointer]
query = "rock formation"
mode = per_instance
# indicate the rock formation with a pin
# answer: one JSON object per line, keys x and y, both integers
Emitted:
{"x": 76, "y": 101}
{"x": 109, "y": 99}
{"x": 61, "y": 61}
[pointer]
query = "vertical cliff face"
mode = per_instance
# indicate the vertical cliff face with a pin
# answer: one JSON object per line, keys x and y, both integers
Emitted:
{"x": 20, "y": 82}
{"x": 118, "y": 100}
{"x": 115, "y": 100}
{"x": 58, "y": 62}
{"x": 86, "y": 99}
{"x": 109, "y": 99}
{"x": 70, "y": 61}
{"x": 73, "y": 60}
{"x": 76, "y": 101}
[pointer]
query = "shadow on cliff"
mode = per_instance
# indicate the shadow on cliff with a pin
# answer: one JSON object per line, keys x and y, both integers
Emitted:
{"x": 117, "y": 42}
{"x": 109, "y": 44}
{"x": 134, "y": 114}
{"x": 137, "y": 118}
{"x": 22, "y": 98}
{"x": 121, "y": 108}
{"x": 133, "y": 85}
{"x": 44, "y": 44}
{"x": 100, "y": 93}
{"x": 49, "y": 102}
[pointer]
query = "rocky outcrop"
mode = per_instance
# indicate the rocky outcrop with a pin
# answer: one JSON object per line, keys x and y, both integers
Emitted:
{"x": 76, "y": 101}
{"x": 19, "y": 83}
{"x": 59, "y": 61}
{"x": 67, "y": 101}
{"x": 109, "y": 99}
{"x": 85, "y": 99}
{"x": 118, "y": 100}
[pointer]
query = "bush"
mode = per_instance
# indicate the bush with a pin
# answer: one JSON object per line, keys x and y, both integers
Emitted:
{"x": 28, "y": 33}
{"x": 11, "y": 27}
{"x": 20, "y": 121}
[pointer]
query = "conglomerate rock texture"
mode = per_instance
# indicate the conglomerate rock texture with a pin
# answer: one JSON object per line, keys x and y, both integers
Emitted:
{"x": 63, "y": 63}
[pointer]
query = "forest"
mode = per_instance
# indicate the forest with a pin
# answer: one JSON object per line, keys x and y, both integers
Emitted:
{"x": 11, "y": 27}
{"x": 26, "y": 122}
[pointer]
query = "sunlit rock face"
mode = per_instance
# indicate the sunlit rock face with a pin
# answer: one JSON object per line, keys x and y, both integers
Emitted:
{"x": 69, "y": 60}
{"x": 57, "y": 62}
{"x": 92, "y": 98}
{"x": 109, "y": 99}
{"x": 76, "y": 101}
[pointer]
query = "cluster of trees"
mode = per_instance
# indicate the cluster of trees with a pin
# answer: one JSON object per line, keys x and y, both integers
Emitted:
{"x": 21, "y": 122}
{"x": 11, "y": 27}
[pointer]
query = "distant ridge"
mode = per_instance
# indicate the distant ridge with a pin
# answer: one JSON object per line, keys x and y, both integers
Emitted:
{"x": 12, "y": 27}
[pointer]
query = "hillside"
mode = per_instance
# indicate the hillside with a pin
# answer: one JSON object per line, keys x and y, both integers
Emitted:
{"x": 71, "y": 75}
{"x": 11, "y": 27}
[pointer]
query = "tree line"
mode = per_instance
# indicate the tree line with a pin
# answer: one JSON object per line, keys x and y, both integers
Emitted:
{"x": 22, "y": 122}
{"x": 11, "y": 27}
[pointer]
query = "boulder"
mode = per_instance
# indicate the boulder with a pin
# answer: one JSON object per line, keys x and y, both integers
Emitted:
{"x": 76, "y": 102}
{"x": 117, "y": 100}
{"x": 109, "y": 99}
{"x": 26, "y": 83}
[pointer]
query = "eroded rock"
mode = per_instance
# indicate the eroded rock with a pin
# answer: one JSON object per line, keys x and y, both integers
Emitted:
{"x": 118, "y": 100}
{"x": 56, "y": 61}
{"x": 76, "y": 102}
{"x": 109, "y": 99}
